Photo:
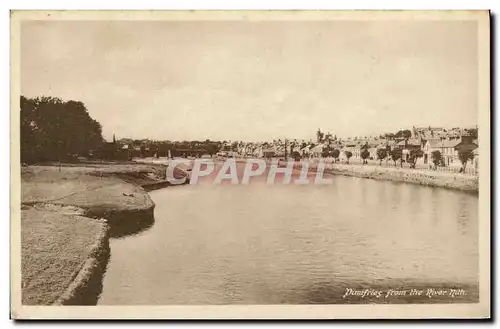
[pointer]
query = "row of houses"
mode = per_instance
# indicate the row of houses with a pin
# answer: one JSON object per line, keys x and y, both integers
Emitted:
{"x": 448, "y": 145}
{"x": 450, "y": 149}
{"x": 447, "y": 142}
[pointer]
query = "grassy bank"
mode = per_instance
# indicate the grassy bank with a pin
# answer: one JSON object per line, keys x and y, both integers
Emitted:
{"x": 56, "y": 242}
{"x": 465, "y": 183}
{"x": 68, "y": 213}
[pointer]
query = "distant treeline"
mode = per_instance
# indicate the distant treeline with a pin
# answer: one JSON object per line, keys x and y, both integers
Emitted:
{"x": 57, "y": 130}
{"x": 52, "y": 129}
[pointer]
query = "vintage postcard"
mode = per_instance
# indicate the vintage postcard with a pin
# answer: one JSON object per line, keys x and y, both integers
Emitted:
{"x": 250, "y": 164}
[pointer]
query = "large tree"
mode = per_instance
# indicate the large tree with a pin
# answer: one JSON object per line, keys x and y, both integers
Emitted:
{"x": 52, "y": 129}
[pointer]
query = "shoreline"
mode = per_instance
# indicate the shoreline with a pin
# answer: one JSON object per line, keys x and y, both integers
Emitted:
{"x": 86, "y": 287}
{"x": 463, "y": 183}
{"x": 449, "y": 180}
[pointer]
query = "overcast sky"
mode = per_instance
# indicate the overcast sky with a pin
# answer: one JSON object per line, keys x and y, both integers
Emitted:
{"x": 238, "y": 80}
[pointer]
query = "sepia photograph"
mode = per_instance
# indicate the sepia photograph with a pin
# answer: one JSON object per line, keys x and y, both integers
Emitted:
{"x": 250, "y": 164}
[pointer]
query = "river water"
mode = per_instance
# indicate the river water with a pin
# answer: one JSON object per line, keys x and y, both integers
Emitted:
{"x": 261, "y": 244}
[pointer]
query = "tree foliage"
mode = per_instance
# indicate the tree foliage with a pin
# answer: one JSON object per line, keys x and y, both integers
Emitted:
{"x": 52, "y": 129}
{"x": 396, "y": 154}
{"x": 464, "y": 156}
{"x": 381, "y": 154}
{"x": 348, "y": 155}
{"x": 364, "y": 155}
{"x": 403, "y": 134}
{"x": 473, "y": 132}
{"x": 436, "y": 157}
{"x": 296, "y": 155}
{"x": 326, "y": 152}
{"x": 336, "y": 154}
{"x": 414, "y": 155}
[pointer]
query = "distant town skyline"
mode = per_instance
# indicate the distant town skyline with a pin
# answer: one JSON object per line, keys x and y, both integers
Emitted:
{"x": 290, "y": 138}
{"x": 243, "y": 80}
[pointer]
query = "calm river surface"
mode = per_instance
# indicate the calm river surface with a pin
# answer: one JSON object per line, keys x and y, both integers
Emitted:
{"x": 260, "y": 244}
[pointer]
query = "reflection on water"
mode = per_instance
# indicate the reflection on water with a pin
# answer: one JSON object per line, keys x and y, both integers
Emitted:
{"x": 123, "y": 224}
{"x": 261, "y": 244}
{"x": 130, "y": 226}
